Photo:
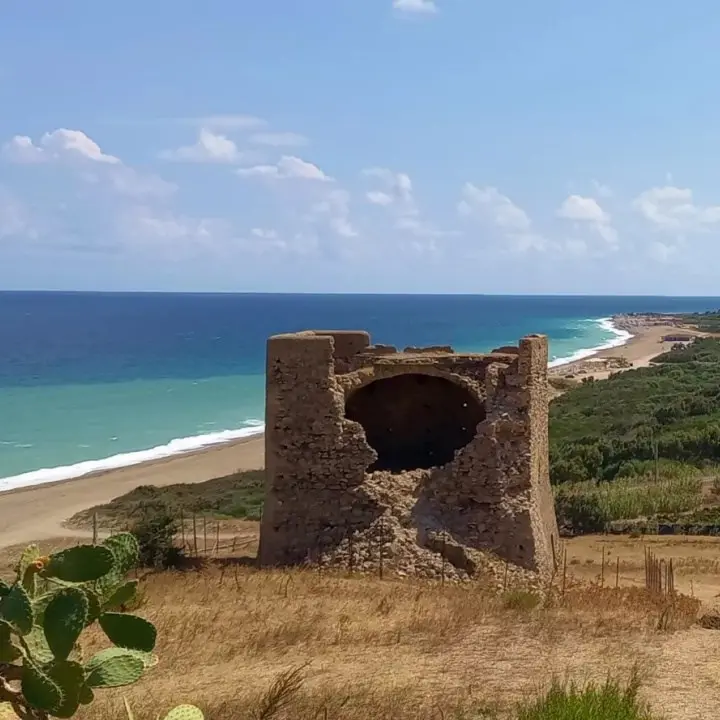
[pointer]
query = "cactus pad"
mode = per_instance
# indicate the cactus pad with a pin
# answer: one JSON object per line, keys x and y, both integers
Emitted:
{"x": 86, "y": 695}
{"x": 83, "y": 563}
{"x": 185, "y": 712}
{"x": 129, "y": 631}
{"x": 17, "y": 610}
{"x": 65, "y": 618}
{"x": 29, "y": 555}
{"x": 8, "y": 650}
{"x": 37, "y": 646}
{"x": 114, "y": 667}
{"x": 70, "y": 678}
{"x": 125, "y": 550}
{"x": 124, "y": 594}
{"x": 40, "y": 690}
{"x": 94, "y": 608}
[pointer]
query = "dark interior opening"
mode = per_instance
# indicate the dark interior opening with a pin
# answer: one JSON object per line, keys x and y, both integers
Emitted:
{"x": 414, "y": 421}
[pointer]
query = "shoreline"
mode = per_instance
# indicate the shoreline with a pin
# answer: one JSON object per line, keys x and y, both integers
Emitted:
{"x": 622, "y": 337}
{"x": 623, "y": 345}
{"x": 644, "y": 340}
{"x": 39, "y": 512}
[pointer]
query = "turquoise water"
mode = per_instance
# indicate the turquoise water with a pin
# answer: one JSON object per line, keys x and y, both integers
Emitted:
{"x": 91, "y": 382}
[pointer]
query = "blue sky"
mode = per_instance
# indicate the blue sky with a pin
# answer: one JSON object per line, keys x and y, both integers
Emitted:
{"x": 360, "y": 145}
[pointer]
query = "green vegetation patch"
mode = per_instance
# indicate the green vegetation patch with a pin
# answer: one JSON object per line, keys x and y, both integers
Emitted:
{"x": 607, "y": 701}
{"x": 239, "y": 495}
{"x": 602, "y": 430}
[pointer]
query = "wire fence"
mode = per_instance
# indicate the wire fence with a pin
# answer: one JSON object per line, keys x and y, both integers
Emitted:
{"x": 200, "y": 536}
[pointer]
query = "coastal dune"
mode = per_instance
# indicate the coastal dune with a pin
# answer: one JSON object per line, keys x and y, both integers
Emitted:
{"x": 38, "y": 512}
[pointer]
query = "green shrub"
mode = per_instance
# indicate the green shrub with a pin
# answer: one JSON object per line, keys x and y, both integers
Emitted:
{"x": 155, "y": 531}
{"x": 609, "y": 701}
{"x": 579, "y": 514}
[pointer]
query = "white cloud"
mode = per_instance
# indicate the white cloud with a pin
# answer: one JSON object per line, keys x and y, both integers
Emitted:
{"x": 127, "y": 181}
{"x": 140, "y": 224}
{"x": 488, "y": 203}
{"x": 427, "y": 7}
{"x": 673, "y": 209}
{"x": 264, "y": 233}
{"x": 397, "y": 192}
{"x": 334, "y": 209}
{"x": 489, "y": 206}
{"x": 587, "y": 211}
{"x": 210, "y": 148}
{"x": 56, "y": 145}
{"x": 576, "y": 207}
{"x": 287, "y": 168}
{"x": 379, "y": 198}
{"x": 279, "y": 139}
{"x": 398, "y": 198}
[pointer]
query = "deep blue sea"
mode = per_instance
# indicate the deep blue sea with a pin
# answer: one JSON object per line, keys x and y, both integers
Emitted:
{"x": 93, "y": 381}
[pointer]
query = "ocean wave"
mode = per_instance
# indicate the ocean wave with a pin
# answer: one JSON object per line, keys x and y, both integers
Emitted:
{"x": 178, "y": 446}
{"x": 621, "y": 337}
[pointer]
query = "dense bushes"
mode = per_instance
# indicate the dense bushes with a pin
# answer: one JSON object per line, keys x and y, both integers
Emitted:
{"x": 588, "y": 507}
{"x": 155, "y": 531}
{"x": 600, "y": 430}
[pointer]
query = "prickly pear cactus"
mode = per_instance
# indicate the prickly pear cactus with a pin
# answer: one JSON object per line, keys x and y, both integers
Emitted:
{"x": 44, "y": 612}
{"x": 180, "y": 712}
{"x": 185, "y": 712}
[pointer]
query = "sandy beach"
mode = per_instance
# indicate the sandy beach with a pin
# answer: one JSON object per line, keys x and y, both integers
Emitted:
{"x": 645, "y": 344}
{"x": 38, "y": 512}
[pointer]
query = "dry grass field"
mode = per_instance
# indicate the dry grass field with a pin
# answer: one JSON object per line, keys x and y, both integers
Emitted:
{"x": 308, "y": 645}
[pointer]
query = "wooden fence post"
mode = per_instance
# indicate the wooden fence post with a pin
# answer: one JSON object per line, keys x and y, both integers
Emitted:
{"x": 195, "y": 547}
{"x": 182, "y": 528}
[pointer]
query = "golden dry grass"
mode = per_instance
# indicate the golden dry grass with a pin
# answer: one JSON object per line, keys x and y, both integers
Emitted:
{"x": 369, "y": 648}
{"x": 230, "y": 640}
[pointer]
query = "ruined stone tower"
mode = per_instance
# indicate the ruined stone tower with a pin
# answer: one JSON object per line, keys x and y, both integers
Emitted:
{"x": 425, "y": 461}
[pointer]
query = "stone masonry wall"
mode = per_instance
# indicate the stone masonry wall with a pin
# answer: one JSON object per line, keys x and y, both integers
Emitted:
{"x": 484, "y": 510}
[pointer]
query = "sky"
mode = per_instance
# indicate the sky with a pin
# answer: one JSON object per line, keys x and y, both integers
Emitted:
{"x": 420, "y": 146}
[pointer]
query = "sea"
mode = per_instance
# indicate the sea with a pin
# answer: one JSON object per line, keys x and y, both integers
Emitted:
{"x": 95, "y": 381}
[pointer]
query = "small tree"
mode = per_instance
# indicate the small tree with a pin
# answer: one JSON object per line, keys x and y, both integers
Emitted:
{"x": 155, "y": 531}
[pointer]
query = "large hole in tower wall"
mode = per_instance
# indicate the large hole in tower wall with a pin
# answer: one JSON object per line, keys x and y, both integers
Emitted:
{"x": 414, "y": 421}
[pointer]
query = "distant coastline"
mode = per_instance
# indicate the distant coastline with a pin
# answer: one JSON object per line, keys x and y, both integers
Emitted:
{"x": 622, "y": 336}
{"x": 198, "y": 443}
{"x": 641, "y": 338}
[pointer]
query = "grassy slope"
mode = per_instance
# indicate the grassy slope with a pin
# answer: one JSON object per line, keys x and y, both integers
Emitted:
{"x": 235, "y": 496}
